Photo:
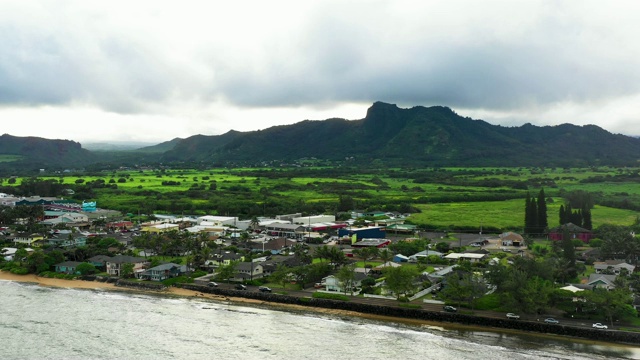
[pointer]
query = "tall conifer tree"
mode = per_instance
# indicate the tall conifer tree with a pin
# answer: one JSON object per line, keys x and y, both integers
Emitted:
{"x": 527, "y": 214}
{"x": 541, "y": 215}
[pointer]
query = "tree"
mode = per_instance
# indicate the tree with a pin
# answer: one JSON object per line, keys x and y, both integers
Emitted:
{"x": 442, "y": 247}
{"x": 386, "y": 256}
{"x": 466, "y": 287}
{"x": 322, "y": 253}
{"x": 337, "y": 257}
{"x": 225, "y": 272}
{"x": 400, "y": 280}
{"x": 37, "y": 262}
{"x": 281, "y": 275}
{"x": 86, "y": 269}
{"x": 612, "y": 304}
{"x": 346, "y": 277}
{"x": 366, "y": 254}
{"x": 541, "y": 216}
{"x": 254, "y": 223}
{"x": 569, "y": 255}
{"x": 586, "y": 219}
{"x": 20, "y": 256}
{"x": 126, "y": 270}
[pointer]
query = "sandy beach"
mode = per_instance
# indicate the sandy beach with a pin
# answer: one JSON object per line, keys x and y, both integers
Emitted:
{"x": 172, "y": 291}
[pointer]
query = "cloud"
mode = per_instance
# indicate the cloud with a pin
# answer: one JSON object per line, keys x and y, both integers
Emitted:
{"x": 197, "y": 63}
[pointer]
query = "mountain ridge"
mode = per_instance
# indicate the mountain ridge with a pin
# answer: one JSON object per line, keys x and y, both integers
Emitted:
{"x": 387, "y": 135}
{"x": 429, "y": 136}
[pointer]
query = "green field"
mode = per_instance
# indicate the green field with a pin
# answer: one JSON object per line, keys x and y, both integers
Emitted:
{"x": 506, "y": 215}
{"x": 445, "y": 197}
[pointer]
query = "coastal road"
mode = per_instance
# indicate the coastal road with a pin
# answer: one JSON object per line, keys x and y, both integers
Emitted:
{"x": 581, "y": 323}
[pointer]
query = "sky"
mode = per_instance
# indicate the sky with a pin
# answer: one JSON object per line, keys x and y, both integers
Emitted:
{"x": 151, "y": 71}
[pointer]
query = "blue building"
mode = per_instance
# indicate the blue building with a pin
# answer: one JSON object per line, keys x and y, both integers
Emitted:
{"x": 372, "y": 232}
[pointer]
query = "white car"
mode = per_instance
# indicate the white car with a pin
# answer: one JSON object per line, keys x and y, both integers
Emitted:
{"x": 600, "y": 326}
{"x": 513, "y": 316}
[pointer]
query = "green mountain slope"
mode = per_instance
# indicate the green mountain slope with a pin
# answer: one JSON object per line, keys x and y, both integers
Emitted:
{"x": 419, "y": 136}
{"x": 43, "y": 153}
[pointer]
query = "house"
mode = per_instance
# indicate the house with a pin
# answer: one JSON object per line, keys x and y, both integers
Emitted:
{"x": 286, "y": 230}
{"x": 248, "y": 271}
{"x": 380, "y": 268}
{"x": 28, "y": 239}
{"x": 274, "y": 245}
{"x": 163, "y": 272}
{"x": 439, "y": 274}
{"x": 65, "y": 218}
{"x": 122, "y": 225}
{"x": 574, "y": 231}
{"x": 160, "y": 228}
{"x": 615, "y": 266}
{"x": 510, "y": 238}
{"x": 99, "y": 261}
{"x": 67, "y": 241}
{"x": 333, "y": 284}
{"x": 472, "y": 257}
{"x": 114, "y": 264}
{"x": 371, "y": 243}
{"x": 398, "y": 228}
{"x": 67, "y": 267}
{"x": 602, "y": 281}
{"x": 223, "y": 259}
{"x": 8, "y": 253}
{"x": 400, "y": 258}
{"x": 415, "y": 257}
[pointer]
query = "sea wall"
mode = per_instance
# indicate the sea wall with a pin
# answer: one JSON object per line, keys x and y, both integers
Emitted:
{"x": 394, "y": 311}
{"x": 141, "y": 285}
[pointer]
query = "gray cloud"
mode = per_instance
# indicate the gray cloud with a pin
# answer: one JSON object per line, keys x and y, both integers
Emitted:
{"x": 496, "y": 57}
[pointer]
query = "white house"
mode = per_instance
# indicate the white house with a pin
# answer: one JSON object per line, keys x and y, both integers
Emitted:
{"x": 472, "y": 257}
{"x": 333, "y": 284}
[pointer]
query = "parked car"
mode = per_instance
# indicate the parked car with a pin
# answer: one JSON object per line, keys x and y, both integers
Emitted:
{"x": 600, "y": 326}
{"x": 513, "y": 316}
{"x": 240, "y": 287}
{"x": 450, "y": 309}
{"x": 318, "y": 285}
{"x": 264, "y": 289}
{"x": 212, "y": 284}
{"x": 551, "y": 321}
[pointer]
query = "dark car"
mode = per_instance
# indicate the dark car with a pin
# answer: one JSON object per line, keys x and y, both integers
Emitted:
{"x": 450, "y": 309}
{"x": 240, "y": 287}
{"x": 212, "y": 284}
{"x": 264, "y": 289}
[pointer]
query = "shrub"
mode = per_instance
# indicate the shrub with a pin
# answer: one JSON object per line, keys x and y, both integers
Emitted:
{"x": 176, "y": 280}
{"x": 19, "y": 271}
{"x": 199, "y": 273}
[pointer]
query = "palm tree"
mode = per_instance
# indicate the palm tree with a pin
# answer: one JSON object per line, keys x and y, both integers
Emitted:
{"x": 322, "y": 253}
{"x": 386, "y": 256}
{"x": 254, "y": 223}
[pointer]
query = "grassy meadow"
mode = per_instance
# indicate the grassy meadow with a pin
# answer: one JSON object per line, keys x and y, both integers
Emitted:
{"x": 446, "y": 197}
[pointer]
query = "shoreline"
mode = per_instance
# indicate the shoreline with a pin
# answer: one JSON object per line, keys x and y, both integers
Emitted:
{"x": 196, "y": 295}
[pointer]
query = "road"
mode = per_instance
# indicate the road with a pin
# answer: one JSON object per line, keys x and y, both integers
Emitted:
{"x": 580, "y": 323}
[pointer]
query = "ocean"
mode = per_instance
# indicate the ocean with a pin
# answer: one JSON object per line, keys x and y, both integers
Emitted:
{"x": 58, "y": 323}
